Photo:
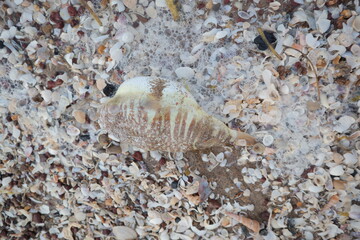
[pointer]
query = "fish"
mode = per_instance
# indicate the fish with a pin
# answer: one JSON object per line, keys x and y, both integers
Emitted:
{"x": 157, "y": 114}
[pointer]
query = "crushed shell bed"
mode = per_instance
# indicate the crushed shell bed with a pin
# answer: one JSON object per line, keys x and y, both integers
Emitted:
{"x": 62, "y": 177}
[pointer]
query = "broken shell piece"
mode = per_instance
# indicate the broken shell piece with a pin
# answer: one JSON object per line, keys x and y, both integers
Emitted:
{"x": 247, "y": 222}
{"x": 79, "y": 116}
{"x": 72, "y": 130}
{"x": 344, "y": 124}
{"x": 356, "y": 24}
{"x": 124, "y": 233}
{"x": 319, "y": 180}
{"x": 332, "y": 201}
{"x": 320, "y": 3}
{"x": 157, "y": 114}
{"x": 345, "y": 39}
{"x": 185, "y": 72}
{"x": 337, "y": 170}
{"x": 275, "y": 5}
{"x": 350, "y": 159}
{"x": 354, "y": 212}
{"x": 127, "y": 37}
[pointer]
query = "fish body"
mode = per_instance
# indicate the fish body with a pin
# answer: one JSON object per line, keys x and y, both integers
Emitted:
{"x": 158, "y": 114}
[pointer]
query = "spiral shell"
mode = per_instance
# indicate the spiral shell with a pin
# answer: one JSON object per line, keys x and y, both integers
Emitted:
{"x": 157, "y": 114}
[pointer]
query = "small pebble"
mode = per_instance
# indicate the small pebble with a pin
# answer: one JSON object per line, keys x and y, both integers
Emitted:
{"x": 174, "y": 184}
{"x": 261, "y": 44}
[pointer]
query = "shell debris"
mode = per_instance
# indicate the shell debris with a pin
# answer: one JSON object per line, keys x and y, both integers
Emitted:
{"x": 74, "y": 162}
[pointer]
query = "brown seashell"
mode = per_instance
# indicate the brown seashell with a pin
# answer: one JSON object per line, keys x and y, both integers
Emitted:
{"x": 158, "y": 114}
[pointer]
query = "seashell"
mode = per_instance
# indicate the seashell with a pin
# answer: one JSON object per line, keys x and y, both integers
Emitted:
{"x": 127, "y": 37}
{"x": 268, "y": 140}
{"x": 337, "y": 170}
{"x": 319, "y": 180}
{"x": 247, "y": 222}
{"x": 323, "y": 24}
{"x": 354, "y": 212}
{"x": 275, "y": 5}
{"x": 345, "y": 39}
{"x": 124, "y": 233}
{"x": 332, "y": 201}
{"x": 350, "y": 159}
{"x": 320, "y": 3}
{"x": 356, "y": 24}
{"x": 344, "y": 124}
{"x": 157, "y": 114}
{"x": 185, "y": 72}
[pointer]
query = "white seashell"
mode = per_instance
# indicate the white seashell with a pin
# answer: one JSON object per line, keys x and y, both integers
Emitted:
{"x": 278, "y": 223}
{"x": 39, "y": 18}
{"x": 284, "y": 89}
{"x": 356, "y": 24}
{"x": 127, "y": 37}
{"x": 131, "y": 4}
{"x": 26, "y": 16}
{"x": 44, "y": 209}
{"x": 211, "y": 20}
{"x": 164, "y": 235}
{"x": 221, "y": 34}
{"x": 115, "y": 51}
{"x": 323, "y": 24}
{"x": 337, "y": 170}
{"x": 185, "y": 72}
{"x": 268, "y": 140}
{"x": 275, "y": 5}
{"x": 311, "y": 41}
{"x": 184, "y": 224}
{"x": 210, "y": 226}
{"x": 157, "y": 114}
{"x": 5, "y": 181}
{"x": 244, "y": 15}
{"x": 120, "y": 5}
{"x": 354, "y": 212}
{"x": 151, "y": 11}
{"x": 64, "y": 13}
{"x": 28, "y": 151}
{"x": 350, "y": 159}
{"x": 160, "y": 3}
{"x": 345, "y": 39}
{"x": 355, "y": 49}
{"x": 72, "y": 130}
{"x": 320, "y": 3}
{"x": 344, "y": 124}
{"x": 337, "y": 48}
{"x": 319, "y": 180}
{"x": 124, "y": 233}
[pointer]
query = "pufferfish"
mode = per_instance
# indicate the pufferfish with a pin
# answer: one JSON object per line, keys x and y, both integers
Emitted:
{"x": 154, "y": 113}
